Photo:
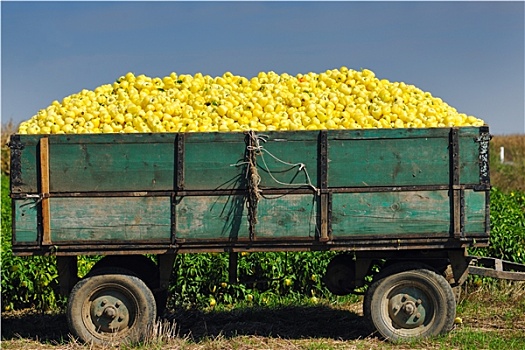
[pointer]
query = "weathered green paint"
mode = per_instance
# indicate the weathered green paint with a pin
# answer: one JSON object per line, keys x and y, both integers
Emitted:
{"x": 214, "y": 161}
{"x": 226, "y": 217}
{"x": 100, "y": 162}
{"x": 111, "y": 167}
{"x": 217, "y": 161}
{"x": 475, "y": 214}
{"x": 469, "y": 156}
{"x": 289, "y": 216}
{"x": 391, "y": 213}
{"x": 379, "y": 183}
{"x": 29, "y": 173}
{"x": 207, "y": 217}
{"x": 110, "y": 219}
{"x": 412, "y": 161}
{"x": 289, "y": 160}
{"x": 25, "y": 219}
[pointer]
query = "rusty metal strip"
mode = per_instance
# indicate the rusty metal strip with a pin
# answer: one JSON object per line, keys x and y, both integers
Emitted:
{"x": 242, "y": 192}
{"x": 330, "y": 201}
{"x": 180, "y": 161}
{"x": 455, "y": 183}
{"x": 462, "y": 213}
{"x": 454, "y": 156}
{"x": 173, "y": 232}
{"x": 323, "y": 159}
{"x": 324, "y": 220}
{"x": 16, "y": 147}
{"x": 483, "y": 140}
{"x": 44, "y": 190}
{"x": 372, "y": 245}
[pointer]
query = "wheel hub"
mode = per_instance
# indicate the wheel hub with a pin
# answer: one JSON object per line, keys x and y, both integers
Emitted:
{"x": 406, "y": 311}
{"x": 109, "y": 314}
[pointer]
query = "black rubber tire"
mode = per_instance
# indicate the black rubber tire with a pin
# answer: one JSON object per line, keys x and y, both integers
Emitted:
{"x": 404, "y": 304}
{"x": 339, "y": 275}
{"x": 111, "y": 306}
{"x": 457, "y": 290}
{"x": 143, "y": 267}
{"x": 140, "y": 265}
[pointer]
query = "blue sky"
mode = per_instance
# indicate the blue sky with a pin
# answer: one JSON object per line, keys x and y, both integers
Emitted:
{"x": 471, "y": 54}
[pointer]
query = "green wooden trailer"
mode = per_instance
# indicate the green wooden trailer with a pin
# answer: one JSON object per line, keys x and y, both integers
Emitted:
{"x": 412, "y": 199}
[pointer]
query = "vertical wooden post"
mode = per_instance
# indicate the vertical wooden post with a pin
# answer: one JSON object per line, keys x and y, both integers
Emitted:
{"x": 457, "y": 192}
{"x": 44, "y": 190}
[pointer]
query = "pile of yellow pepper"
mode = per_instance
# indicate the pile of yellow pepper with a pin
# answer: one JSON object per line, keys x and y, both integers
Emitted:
{"x": 335, "y": 99}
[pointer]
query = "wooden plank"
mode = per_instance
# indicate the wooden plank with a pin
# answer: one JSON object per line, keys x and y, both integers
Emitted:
{"x": 289, "y": 160}
{"x": 213, "y": 162}
{"x": 289, "y": 216}
{"x": 225, "y": 217}
{"x": 487, "y": 272}
{"x": 475, "y": 214}
{"x": 112, "y": 167}
{"x": 388, "y": 162}
{"x": 111, "y": 219}
{"x": 378, "y": 134}
{"x": 24, "y": 172}
{"x": 391, "y": 213}
{"x": 44, "y": 190}
{"x": 211, "y": 217}
{"x": 25, "y": 221}
{"x": 469, "y": 156}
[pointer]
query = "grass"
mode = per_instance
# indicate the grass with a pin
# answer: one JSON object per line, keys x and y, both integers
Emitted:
{"x": 492, "y": 313}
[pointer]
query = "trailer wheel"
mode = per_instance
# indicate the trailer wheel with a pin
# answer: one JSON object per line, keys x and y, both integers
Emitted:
{"x": 142, "y": 267}
{"x": 111, "y": 306}
{"x": 339, "y": 275}
{"x": 410, "y": 304}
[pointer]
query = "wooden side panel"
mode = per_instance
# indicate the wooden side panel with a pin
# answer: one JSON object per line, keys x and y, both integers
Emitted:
{"x": 110, "y": 219}
{"x": 293, "y": 216}
{"x": 475, "y": 212}
{"x": 289, "y": 160}
{"x": 112, "y": 167}
{"x": 25, "y": 166}
{"x": 211, "y": 217}
{"x": 407, "y": 161}
{"x": 469, "y": 167}
{"x": 83, "y": 167}
{"x": 25, "y": 228}
{"x": 391, "y": 213}
{"x": 217, "y": 160}
{"x": 214, "y": 161}
{"x": 225, "y": 217}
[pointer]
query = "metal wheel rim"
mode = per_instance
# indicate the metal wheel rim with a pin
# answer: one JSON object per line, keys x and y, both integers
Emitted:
{"x": 410, "y": 308}
{"x": 110, "y": 311}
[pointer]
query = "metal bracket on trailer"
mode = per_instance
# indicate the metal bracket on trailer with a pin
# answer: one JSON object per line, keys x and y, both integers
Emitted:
{"x": 496, "y": 268}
